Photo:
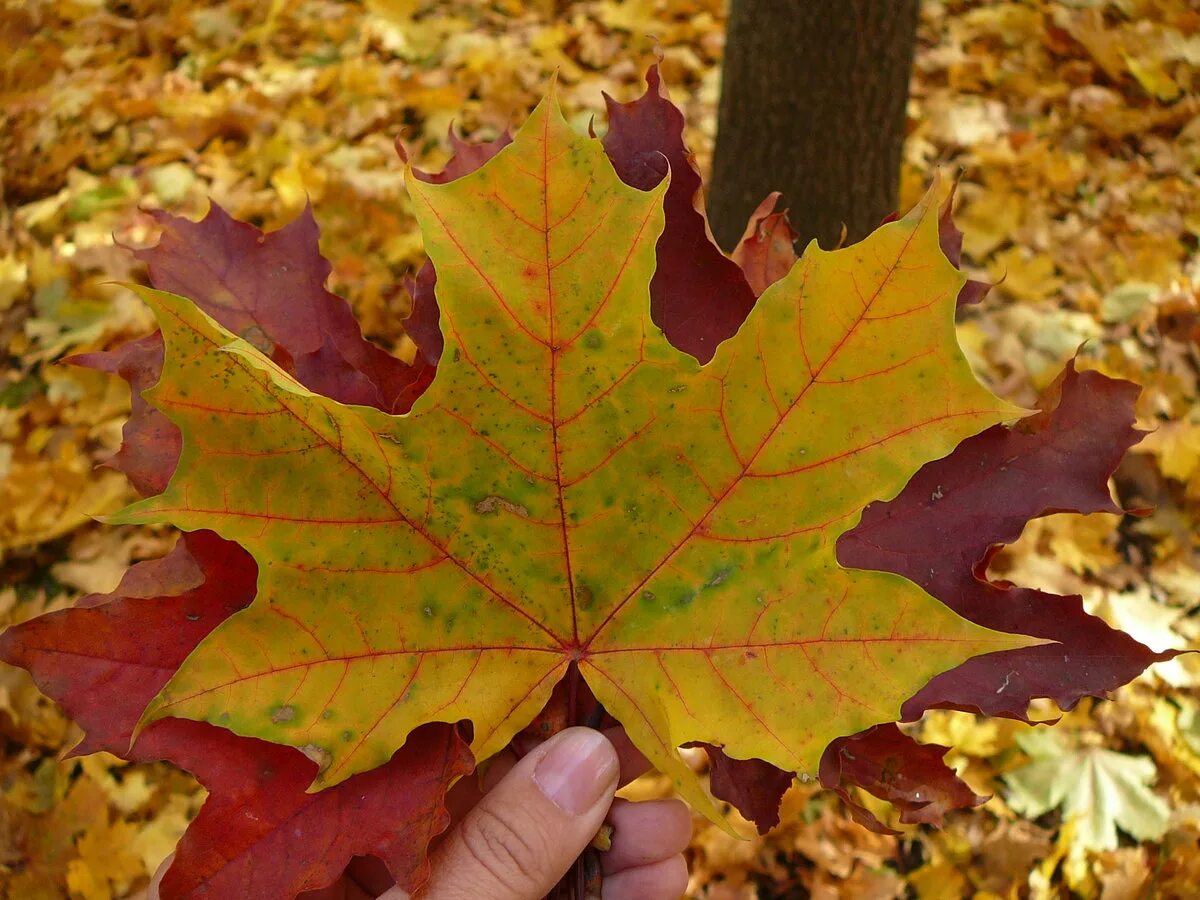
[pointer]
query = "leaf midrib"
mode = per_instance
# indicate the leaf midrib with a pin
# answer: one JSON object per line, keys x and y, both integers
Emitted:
{"x": 813, "y": 376}
{"x": 255, "y": 374}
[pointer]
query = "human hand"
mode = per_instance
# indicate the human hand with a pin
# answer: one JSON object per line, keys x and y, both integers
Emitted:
{"x": 537, "y": 814}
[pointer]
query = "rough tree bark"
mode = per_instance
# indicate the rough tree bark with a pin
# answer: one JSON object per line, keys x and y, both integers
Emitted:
{"x": 812, "y": 104}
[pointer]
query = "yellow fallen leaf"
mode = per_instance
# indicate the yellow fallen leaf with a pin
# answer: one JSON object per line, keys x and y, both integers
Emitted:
{"x": 963, "y": 733}
{"x": 1153, "y": 78}
{"x": 1027, "y": 276}
{"x": 939, "y": 880}
{"x": 1177, "y": 446}
{"x": 1082, "y": 543}
{"x": 130, "y": 793}
{"x": 106, "y": 865}
{"x": 157, "y": 838}
{"x": 989, "y": 221}
{"x": 297, "y": 183}
{"x": 13, "y": 275}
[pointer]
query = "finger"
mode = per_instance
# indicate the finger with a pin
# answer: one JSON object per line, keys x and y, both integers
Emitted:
{"x": 468, "y": 791}
{"x": 633, "y": 763}
{"x": 645, "y": 833}
{"x": 525, "y": 833}
{"x": 152, "y": 890}
{"x": 666, "y": 879}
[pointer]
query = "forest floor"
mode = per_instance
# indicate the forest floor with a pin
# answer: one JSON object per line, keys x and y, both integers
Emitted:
{"x": 1076, "y": 127}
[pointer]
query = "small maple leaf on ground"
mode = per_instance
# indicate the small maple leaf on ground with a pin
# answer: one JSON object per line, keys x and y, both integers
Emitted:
{"x": 1098, "y": 789}
{"x": 572, "y": 497}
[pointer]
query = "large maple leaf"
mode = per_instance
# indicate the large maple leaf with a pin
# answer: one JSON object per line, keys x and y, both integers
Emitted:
{"x": 572, "y": 494}
{"x": 269, "y": 290}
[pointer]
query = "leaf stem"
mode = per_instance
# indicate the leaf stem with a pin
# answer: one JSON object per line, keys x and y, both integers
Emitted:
{"x": 583, "y": 879}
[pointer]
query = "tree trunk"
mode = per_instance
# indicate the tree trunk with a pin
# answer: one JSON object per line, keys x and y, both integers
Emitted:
{"x": 812, "y": 104}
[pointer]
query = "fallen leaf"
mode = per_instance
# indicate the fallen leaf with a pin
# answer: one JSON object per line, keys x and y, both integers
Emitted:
{"x": 1098, "y": 789}
{"x": 105, "y": 867}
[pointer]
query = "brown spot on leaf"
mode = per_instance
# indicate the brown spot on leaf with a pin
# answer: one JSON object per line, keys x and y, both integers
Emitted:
{"x": 256, "y": 337}
{"x": 584, "y": 596}
{"x": 488, "y": 505}
{"x": 319, "y": 755}
{"x": 283, "y": 714}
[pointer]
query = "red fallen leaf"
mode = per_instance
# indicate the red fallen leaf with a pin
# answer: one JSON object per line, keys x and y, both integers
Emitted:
{"x": 466, "y": 158}
{"x": 752, "y": 786}
{"x": 890, "y": 764}
{"x": 337, "y": 377}
{"x": 941, "y": 530}
{"x": 259, "y": 834}
{"x": 952, "y": 240}
{"x": 422, "y": 324}
{"x": 103, "y": 648}
{"x": 270, "y": 290}
{"x": 698, "y": 296}
{"x": 151, "y": 442}
{"x": 767, "y": 249}
{"x": 279, "y": 300}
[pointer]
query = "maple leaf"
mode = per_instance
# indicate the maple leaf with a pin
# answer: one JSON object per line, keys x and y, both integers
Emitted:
{"x": 608, "y": 502}
{"x": 767, "y": 249}
{"x": 941, "y": 531}
{"x": 698, "y": 296}
{"x": 269, "y": 289}
{"x": 891, "y": 765}
{"x": 936, "y": 533}
{"x": 150, "y": 445}
{"x": 1098, "y": 788}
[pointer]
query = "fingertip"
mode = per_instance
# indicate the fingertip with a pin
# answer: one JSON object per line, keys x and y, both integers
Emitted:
{"x": 577, "y": 770}
{"x": 666, "y": 879}
{"x": 525, "y": 833}
{"x": 646, "y": 832}
{"x": 156, "y": 880}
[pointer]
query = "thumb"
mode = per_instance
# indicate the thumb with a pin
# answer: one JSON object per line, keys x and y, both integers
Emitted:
{"x": 522, "y": 837}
